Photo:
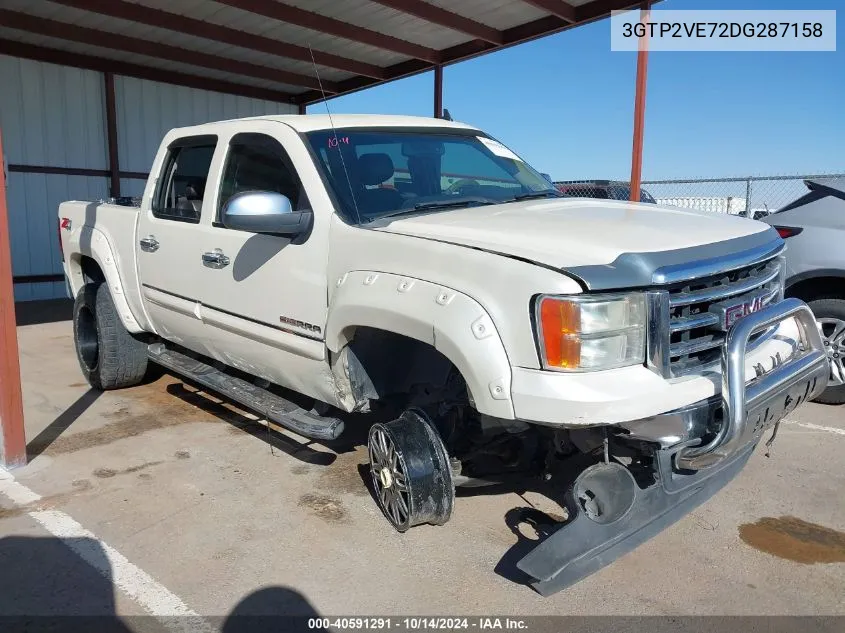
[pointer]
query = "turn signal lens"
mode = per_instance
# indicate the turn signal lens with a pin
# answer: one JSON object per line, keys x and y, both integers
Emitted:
{"x": 592, "y": 332}
{"x": 561, "y": 322}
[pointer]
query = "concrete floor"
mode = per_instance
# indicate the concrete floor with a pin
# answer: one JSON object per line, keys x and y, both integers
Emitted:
{"x": 198, "y": 496}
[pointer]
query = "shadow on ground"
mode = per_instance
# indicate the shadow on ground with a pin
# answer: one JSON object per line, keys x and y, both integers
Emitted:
{"x": 68, "y": 585}
{"x": 47, "y": 577}
{"x": 47, "y": 311}
{"x": 355, "y": 433}
{"x": 157, "y": 400}
{"x": 43, "y": 440}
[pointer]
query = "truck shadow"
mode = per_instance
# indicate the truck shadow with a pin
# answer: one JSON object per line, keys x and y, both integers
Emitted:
{"x": 357, "y": 425}
{"x": 240, "y": 422}
{"x": 43, "y": 311}
{"x": 528, "y": 524}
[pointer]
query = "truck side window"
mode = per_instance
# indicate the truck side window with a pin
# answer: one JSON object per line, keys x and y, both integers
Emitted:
{"x": 257, "y": 162}
{"x": 181, "y": 187}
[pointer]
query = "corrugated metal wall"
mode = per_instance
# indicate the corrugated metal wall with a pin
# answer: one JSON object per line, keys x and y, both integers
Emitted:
{"x": 50, "y": 116}
{"x": 33, "y": 200}
{"x": 54, "y": 116}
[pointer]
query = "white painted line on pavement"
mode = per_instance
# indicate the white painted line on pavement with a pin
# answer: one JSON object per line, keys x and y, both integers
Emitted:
{"x": 17, "y": 493}
{"x": 817, "y": 427}
{"x": 145, "y": 590}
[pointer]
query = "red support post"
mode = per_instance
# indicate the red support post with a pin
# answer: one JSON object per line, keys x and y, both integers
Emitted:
{"x": 438, "y": 92}
{"x": 639, "y": 108}
{"x": 111, "y": 128}
{"x": 12, "y": 435}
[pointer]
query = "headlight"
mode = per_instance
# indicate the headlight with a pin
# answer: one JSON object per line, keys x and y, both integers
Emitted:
{"x": 591, "y": 332}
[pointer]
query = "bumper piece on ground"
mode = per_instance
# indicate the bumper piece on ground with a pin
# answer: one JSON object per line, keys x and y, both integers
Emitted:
{"x": 582, "y": 547}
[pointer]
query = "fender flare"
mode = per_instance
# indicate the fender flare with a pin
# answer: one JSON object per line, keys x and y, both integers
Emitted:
{"x": 453, "y": 323}
{"x": 91, "y": 242}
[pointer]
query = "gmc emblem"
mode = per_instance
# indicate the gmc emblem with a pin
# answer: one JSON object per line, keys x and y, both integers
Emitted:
{"x": 729, "y": 312}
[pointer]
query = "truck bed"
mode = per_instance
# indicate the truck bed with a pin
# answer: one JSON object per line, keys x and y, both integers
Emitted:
{"x": 83, "y": 222}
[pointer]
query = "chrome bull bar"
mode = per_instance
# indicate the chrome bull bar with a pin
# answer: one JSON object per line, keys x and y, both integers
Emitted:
{"x": 749, "y": 409}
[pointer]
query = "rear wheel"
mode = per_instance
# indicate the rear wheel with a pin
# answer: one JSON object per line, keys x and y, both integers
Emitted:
{"x": 830, "y": 317}
{"x": 412, "y": 479}
{"x": 110, "y": 356}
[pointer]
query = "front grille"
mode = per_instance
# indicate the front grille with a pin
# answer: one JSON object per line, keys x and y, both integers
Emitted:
{"x": 694, "y": 336}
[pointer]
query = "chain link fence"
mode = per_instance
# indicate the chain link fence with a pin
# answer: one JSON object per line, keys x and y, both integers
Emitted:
{"x": 752, "y": 196}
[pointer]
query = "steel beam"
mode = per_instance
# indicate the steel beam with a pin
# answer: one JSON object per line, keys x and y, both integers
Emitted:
{"x": 448, "y": 19}
{"x": 207, "y": 30}
{"x": 324, "y": 24}
{"x": 438, "y": 92}
{"x": 101, "y": 64}
{"x": 12, "y": 433}
{"x": 639, "y": 108}
{"x": 561, "y": 9}
{"x": 111, "y": 135}
{"x": 61, "y": 30}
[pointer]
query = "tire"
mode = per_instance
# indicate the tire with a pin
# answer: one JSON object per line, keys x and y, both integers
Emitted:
{"x": 110, "y": 357}
{"x": 830, "y": 315}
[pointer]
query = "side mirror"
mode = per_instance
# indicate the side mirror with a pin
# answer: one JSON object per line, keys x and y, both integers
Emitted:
{"x": 265, "y": 212}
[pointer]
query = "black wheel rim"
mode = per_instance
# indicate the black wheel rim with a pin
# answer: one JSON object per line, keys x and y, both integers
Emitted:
{"x": 390, "y": 480}
{"x": 410, "y": 470}
{"x": 87, "y": 342}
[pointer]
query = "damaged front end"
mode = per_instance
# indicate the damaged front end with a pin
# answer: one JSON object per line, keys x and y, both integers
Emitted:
{"x": 681, "y": 458}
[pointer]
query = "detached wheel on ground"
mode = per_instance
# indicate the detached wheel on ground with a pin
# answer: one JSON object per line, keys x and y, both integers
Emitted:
{"x": 830, "y": 316}
{"x": 412, "y": 479}
{"x": 109, "y": 356}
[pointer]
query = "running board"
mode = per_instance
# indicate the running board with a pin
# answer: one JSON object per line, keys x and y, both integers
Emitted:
{"x": 275, "y": 408}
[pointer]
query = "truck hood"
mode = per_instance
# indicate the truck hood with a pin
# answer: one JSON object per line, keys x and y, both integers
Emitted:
{"x": 574, "y": 233}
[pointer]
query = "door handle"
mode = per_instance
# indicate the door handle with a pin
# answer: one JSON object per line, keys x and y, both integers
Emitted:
{"x": 215, "y": 259}
{"x": 149, "y": 244}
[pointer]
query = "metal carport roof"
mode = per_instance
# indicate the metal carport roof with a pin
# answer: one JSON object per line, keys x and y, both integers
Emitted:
{"x": 260, "y": 48}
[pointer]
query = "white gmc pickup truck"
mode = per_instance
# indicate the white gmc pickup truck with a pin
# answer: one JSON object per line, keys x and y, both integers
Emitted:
{"x": 420, "y": 270}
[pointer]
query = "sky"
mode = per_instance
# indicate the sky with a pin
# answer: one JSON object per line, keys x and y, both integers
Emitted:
{"x": 565, "y": 104}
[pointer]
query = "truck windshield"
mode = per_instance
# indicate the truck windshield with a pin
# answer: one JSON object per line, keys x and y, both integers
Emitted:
{"x": 379, "y": 173}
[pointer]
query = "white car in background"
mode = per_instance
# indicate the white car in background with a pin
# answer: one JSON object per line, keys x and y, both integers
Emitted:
{"x": 814, "y": 229}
